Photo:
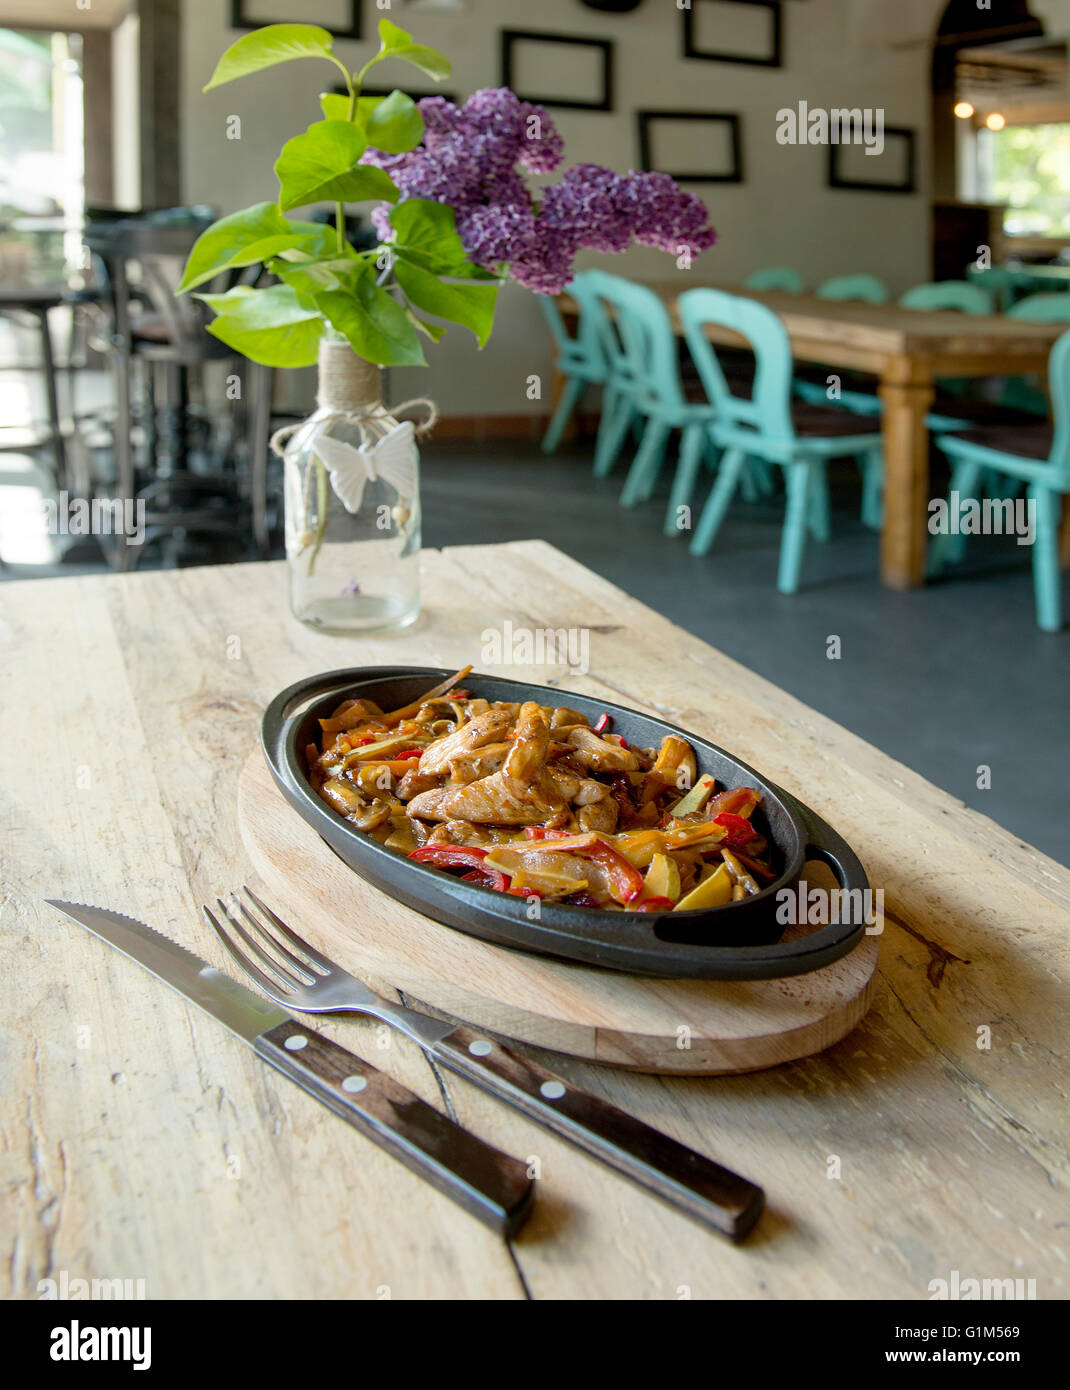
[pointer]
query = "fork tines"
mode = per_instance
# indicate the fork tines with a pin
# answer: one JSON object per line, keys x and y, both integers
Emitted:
{"x": 267, "y": 941}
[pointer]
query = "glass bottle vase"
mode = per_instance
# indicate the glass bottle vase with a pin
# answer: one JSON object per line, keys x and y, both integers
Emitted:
{"x": 352, "y": 505}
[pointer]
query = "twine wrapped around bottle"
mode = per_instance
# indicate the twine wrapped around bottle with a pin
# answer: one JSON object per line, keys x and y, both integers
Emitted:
{"x": 349, "y": 389}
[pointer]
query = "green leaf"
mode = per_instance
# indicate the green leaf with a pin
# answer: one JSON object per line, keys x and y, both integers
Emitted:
{"x": 435, "y": 331}
{"x": 397, "y": 43}
{"x": 309, "y": 278}
{"x": 470, "y": 305}
{"x": 394, "y": 125}
{"x": 375, "y": 323}
{"x": 245, "y": 238}
{"x": 269, "y": 326}
{"x": 321, "y": 166}
{"x": 427, "y": 237}
{"x": 263, "y": 48}
{"x": 335, "y": 106}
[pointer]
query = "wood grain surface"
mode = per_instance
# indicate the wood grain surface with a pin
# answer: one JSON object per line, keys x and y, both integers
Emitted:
{"x": 138, "y": 1139}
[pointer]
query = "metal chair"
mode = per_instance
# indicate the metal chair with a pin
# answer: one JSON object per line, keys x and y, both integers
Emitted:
{"x": 165, "y": 335}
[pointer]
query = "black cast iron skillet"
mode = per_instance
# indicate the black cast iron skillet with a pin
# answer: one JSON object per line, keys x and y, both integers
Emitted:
{"x": 740, "y": 941}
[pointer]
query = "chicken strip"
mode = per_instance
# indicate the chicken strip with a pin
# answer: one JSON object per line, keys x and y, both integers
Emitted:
{"x": 478, "y": 763}
{"x": 493, "y": 801}
{"x": 601, "y": 755}
{"x": 477, "y": 733}
{"x": 530, "y": 749}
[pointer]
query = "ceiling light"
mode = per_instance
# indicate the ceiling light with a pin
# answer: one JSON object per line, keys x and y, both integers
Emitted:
{"x": 995, "y": 121}
{"x": 963, "y": 110}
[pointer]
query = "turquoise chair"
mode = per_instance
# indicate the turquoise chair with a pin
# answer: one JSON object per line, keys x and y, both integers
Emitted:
{"x": 620, "y": 309}
{"x": 644, "y": 371}
{"x": 847, "y": 287}
{"x": 1019, "y": 392}
{"x": 949, "y": 294}
{"x": 645, "y": 388}
{"x": 1035, "y": 455}
{"x": 1001, "y": 284}
{"x": 780, "y": 277}
{"x": 766, "y": 424}
{"x": 580, "y": 359}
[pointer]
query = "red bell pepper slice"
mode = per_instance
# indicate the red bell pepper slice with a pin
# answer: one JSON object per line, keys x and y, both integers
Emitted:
{"x": 603, "y": 723}
{"x": 740, "y": 801}
{"x": 463, "y": 857}
{"x": 656, "y": 905}
{"x": 488, "y": 878}
{"x": 536, "y": 832}
{"x": 740, "y": 832}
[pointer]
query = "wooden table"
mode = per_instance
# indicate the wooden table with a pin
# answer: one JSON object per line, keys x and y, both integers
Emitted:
{"x": 141, "y": 1140}
{"x": 907, "y": 350}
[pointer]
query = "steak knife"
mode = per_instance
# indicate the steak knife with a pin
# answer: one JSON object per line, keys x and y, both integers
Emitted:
{"x": 491, "y": 1185}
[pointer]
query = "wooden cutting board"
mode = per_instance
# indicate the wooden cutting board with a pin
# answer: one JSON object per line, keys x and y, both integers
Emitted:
{"x": 674, "y": 1026}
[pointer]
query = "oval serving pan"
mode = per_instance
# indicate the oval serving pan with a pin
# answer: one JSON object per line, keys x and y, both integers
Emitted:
{"x": 740, "y": 941}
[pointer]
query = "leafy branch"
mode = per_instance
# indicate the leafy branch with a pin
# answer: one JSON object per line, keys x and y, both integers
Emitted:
{"x": 326, "y": 284}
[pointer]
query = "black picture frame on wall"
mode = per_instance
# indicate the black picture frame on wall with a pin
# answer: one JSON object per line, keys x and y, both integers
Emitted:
{"x": 837, "y": 179}
{"x": 647, "y": 119}
{"x": 510, "y": 38}
{"x": 772, "y": 59}
{"x": 239, "y": 19}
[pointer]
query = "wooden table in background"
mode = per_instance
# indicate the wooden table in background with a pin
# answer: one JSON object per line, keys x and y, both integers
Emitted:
{"x": 141, "y": 1140}
{"x": 906, "y": 349}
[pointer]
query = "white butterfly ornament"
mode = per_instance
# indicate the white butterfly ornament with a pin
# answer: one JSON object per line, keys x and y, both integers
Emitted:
{"x": 393, "y": 458}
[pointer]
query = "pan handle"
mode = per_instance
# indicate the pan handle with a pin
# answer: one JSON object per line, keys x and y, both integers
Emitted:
{"x": 827, "y": 845}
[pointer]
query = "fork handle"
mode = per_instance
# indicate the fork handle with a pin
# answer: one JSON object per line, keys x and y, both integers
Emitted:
{"x": 489, "y": 1184}
{"x": 688, "y": 1180}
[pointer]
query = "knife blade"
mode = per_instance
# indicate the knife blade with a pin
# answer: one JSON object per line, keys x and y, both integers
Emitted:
{"x": 491, "y": 1185}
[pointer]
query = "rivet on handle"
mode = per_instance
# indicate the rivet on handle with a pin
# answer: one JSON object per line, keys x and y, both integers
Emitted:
{"x": 353, "y": 1084}
{"x": 295, "y": 1043}
{"x": 479, "y": 1048}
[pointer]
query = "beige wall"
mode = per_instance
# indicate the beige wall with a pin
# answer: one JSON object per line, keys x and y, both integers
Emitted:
{"x": 837, "y": 54}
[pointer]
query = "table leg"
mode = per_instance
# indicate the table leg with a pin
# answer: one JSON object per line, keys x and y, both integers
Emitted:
{"x": 907, "y": 392}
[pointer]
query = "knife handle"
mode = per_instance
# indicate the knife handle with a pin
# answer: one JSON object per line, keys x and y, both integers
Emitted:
{"x": 489, "y": 1184}
{"x": 679, "y": 1175}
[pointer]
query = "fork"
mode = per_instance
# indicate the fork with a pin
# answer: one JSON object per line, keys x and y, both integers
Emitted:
{"x": 310, "y": 983}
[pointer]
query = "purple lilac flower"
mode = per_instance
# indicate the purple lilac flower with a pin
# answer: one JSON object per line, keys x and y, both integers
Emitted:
{"x": 470, "y": 159}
